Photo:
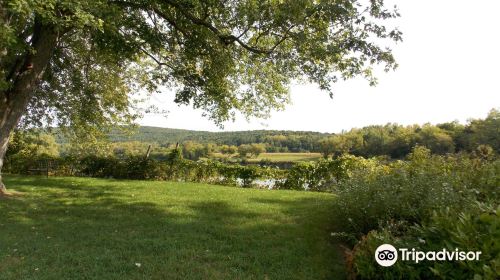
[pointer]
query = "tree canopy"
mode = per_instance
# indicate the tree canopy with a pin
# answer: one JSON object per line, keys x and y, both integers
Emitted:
{"x": 220, "y": 56}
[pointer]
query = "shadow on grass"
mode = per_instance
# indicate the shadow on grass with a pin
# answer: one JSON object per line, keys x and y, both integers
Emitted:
{"x": 65, "y": 229}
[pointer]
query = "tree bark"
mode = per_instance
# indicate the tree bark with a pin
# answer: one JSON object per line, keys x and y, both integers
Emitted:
{"x": 14, "y": 101}
{"x": 3, "y": 149}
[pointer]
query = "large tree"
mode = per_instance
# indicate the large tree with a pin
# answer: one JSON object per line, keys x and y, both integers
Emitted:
{"x": 76, "y": 63}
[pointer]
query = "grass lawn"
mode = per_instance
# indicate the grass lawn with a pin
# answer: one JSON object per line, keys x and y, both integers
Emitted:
{"x": 278, "y": 157}
{"x": 281, "y": 157}
{"x": 80, "y": 228}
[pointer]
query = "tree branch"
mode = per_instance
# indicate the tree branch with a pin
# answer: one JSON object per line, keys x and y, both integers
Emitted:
{"x": 226, "y": 39}
{"x": 155, "y": 59}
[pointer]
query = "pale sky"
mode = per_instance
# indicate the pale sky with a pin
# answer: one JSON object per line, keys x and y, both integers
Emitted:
{"x": 448, "y": 70}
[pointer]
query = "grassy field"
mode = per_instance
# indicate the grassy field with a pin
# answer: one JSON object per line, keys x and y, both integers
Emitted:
{"x": 282, "y": 157}
{"x": 80, "y": 228}
{"x": 279, "y": 157}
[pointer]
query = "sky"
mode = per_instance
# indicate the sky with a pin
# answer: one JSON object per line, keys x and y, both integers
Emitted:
{"x": 448, "y": 70}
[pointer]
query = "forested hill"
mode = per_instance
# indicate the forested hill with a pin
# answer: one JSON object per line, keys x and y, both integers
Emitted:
{"x": 391, "y": 139}
{"x": 171, "y": 135}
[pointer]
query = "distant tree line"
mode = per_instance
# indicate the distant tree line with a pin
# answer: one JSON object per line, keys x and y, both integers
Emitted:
{"x": 275, "y": 140}
{"x": 390, "y": 140}
{"x": 396, "y": 141}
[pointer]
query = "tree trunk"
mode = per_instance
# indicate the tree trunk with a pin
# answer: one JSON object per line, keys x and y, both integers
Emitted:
{"x": 14, "y": 101}
{"x": 3, "y": 149}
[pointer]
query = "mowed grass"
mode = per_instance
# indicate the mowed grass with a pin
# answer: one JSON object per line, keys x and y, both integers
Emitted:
{"x": 81, "y": 228}
{"x": 287, "y": 157}
{"x": 280, "y": 157}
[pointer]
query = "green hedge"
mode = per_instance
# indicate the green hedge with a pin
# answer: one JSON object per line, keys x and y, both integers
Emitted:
{"x": 315, "y": 176}
{"x": 174, "y": 168}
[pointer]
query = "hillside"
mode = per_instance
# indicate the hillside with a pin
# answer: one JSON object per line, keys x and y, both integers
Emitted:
{"x": 172, "y": 135}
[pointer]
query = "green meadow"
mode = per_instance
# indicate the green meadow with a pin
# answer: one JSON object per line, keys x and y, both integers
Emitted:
{"x": 82, "y": 228}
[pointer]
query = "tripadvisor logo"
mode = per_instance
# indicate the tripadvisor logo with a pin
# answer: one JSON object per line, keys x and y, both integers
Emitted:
{"x": 387, "y": 255}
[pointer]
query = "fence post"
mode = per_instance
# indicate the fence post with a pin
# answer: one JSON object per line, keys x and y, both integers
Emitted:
{"x": 148, "y": 152}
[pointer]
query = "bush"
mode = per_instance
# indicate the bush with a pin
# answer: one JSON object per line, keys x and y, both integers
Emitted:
{"x": 136, "y": 167}
{"x": 476, "y": 229}
{"x": 322, "y": 175}
{"x": 410, "y": 191}
{"x": 427, "y": 203}
{"x": 94, "y": 166}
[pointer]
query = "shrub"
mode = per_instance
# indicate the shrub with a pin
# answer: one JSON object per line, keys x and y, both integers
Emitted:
{"x": 94, "y": 166}
{"x": 427, "y": 203}
{"x": 322, "y": 175}
{"x": 476, "y": 229}
{"x": 136, "y": 167}
{"x": 411, "y": 190}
